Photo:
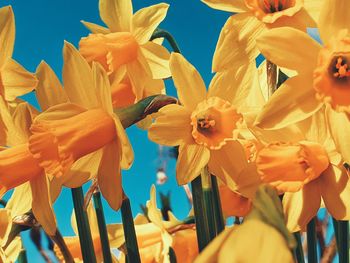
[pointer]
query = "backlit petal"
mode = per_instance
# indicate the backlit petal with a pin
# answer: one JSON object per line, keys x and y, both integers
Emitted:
{"x": 95, "y": 29}
{"x": 237, "y": 6}
{"x": 7, "y": 33}
{"x": 103, "y": 88}
{"x": 116, "y": 14}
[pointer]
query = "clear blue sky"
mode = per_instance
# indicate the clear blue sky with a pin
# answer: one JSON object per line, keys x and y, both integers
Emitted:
{"x": 41, "y": 28}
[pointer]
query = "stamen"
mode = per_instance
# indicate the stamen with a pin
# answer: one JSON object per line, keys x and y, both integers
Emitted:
{"x": 272, "y": 6}
{"x": 205, "y": 123}
{"x": 267, "y": 4}
{"x": 342, "y": 69}
{"x": 277, "y": 5}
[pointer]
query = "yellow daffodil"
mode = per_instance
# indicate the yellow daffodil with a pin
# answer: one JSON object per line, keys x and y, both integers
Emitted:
{"x": 124, "y": 50}
{"x": 67, "y": 132}
{"x": 305, "y": 164}
{"x": 322, "y": 70}
{"x": 232, "y": 203}
{"x": 206, "y": 125}
{"x": 14, "y": 79}
{"x": 253, "y": 18}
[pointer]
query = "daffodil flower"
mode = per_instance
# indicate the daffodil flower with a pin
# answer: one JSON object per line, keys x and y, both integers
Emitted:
{"x": 232, "y": 203}
{"x": 253, "y": 18}
{"x": 124, "y": 50}
{"x": 69, "y": 131}
{"x": 207, "y": 124}
{"x": 322, "y": 69}
{"x": 14, "y": 79}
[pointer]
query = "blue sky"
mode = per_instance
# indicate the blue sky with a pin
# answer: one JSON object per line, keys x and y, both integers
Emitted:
{"x": 41, "y": 28}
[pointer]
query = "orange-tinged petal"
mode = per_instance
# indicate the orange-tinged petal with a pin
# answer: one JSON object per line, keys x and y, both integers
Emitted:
{"x": 313, "y": 7}
{"x": 146, "y": 20}
{"x": 185, "y": 245}
{"x": 103, "y": 88}
{"x": 122, "y": 94}
{"x": 80, "y": 90}
{"x": 138, "y": 78}
{"x": 49, "y": 91}
{"x": 278, "y": 44}
{"x": 17, "y": 166}
{"x": 158, "y": 59}
{"x": 16, "y": 80}
{"x": 94, "y": 28}
{"x": 237, "y": 42}
{"x": 335, "y": 192}
{"x": 57, "y": 143}
{"x": 7, "y": 33}
{"x": 237, "y": 6}
{"x": 192, "y": 158}
{"x": 109, "y": 175}
{"x": 227, "y": 162}
{"x": 289, "y": 166}
{"x": 232, "y": 203}
{"x": 172, "y": 127}
{"x": 188, "y": 82}
{"x": 5, "y": 225}
{"x": 334, "y": 16}
{"x": 294, "y": 101}
{"x": 116, "y": 14}
{"x": 300, "y": 207}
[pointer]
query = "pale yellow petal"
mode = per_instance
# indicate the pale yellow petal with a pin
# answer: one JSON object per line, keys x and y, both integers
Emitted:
{"x": 127, "y": 153}
{"x": 49, "y": 91}
{"x": 292, "y": 102}
{"x": 334, "y": 16}
{"x": 7, "y": 33}
{"x": 158, "y": 59}
{"x": 94, "y": 28}
{"x": 289, "y": 48}
{"x": 313, "y": 7}
{"x": 153, "y": 212}
{"x": 77, "y": 78}
{"x": 237, "y": 6}
{"x": 91, "y": 214}
{"x": 42, "y": 205}
{"x": 116, "y": 14}
{"x": 335, "y": 191}
{"x": 172, "y": 127}
{"x": 103, "y": 88}
{"x": 300, "y": 207}
{"x": 109, "y": 175}
{"x": 5, "y": 225}
{"x": 20, "y": 201}
{"x": 146, "y": 20}
{"x": 237, "y": 42}
{"x": 13, "y": 249}
{"x": 138, "y": 78}
{"x": 188, "y": 82}
{"x": 16, "y": 80}
{"x": 23, "y": 118}
{"x": 191, "y": 160}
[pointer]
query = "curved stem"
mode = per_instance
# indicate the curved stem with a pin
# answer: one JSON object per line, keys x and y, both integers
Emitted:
{"x": 160, "y": 33}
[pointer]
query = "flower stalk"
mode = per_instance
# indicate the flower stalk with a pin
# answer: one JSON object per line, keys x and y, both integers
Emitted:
{"x": 87, "y": 248}
{"x": 343, "y": 240}
{"x": 132, "y": 249}
{"x": 219, "y": 219}
{"x": 22, "y": 257}
{"x": 312, "y": 241}
{"x": 160, "y": 33}
{"x": 106, "y": 251}
{"x": 59, "y": 241}
{"x": 298, "y": 252}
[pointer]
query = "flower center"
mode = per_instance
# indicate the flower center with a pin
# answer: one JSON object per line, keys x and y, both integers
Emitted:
{"x": 214, "y": 122}
{"x": 339, "y": 67}
{"x": 272, "y": 6}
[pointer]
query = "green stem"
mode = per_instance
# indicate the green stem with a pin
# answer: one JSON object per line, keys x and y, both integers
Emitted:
{"x": 22, "y": 257}
{"x": 87, "y": 248}
{"x": 133, "y": 255}
{"x": 299, "y": 253}
{"x": 107, "y": 257}
{"x": 200, "y": 218}
{"x": 219, "y": 219}
{"x": 160, "y": 33}
{"x": 312, "y": 241}
{"x": 343, "y": 237}
{"x": 172, "y": 255}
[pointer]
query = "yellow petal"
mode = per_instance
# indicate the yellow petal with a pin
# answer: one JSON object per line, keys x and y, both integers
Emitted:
{"x": 158, "y": 59}
{"x": 236, "y": 44}
{"x": 109, "y": 175}
{"x": 300, "y": 207}
{"x": 227, "y": 163}
{"x": 22, "y": 118}
{"x": 146, "y": 20}
{"x": 5, "y": 225}
{"x": 334, "y": 16}
{"x": 153, "y": 212}
{"x": 7, "y": 33}
{"x": 280, "y": 44}
{"x": 292, "y": 102}
{"x": 172, "y": 127}
{"x": 127, "y": 153}
{"x": 16, "y": 80}
{"x": 77, "y": 78}
{"x": 313, "y": 7}
{"x": 42, "y": 205}
{"x": 94, "y": 28}
{"x": 237, "y": 6}
{"x": 192, "y": 158}
{"x": 335, "y": 191}
{"x": 188, "y": 82}
{"x": 138, "y": 77}
{"x": 49, "y": 91}
{"x": 91, "y": 214}
{"x": 103, "y": 88}
{"x": 13, "y": 249}
{"x": 20, "y": 201}
{"x": 116, "y": 14}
